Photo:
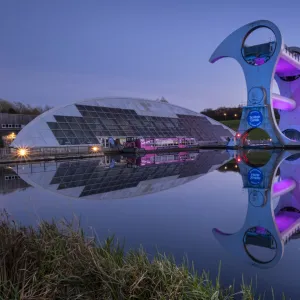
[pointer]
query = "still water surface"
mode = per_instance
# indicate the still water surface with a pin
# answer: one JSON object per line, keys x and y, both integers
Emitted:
{"x": 238, "y": 208}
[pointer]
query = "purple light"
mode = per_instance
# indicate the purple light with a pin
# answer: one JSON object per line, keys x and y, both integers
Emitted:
{"x": 261, "y": 230}
{"x": 151, "y": 144}
{"x": 283, "y": 186}
{"x": 285, "y": 219}
{"x": 283, "y": 105}
{"x": 259, "y": 61}
{"x": 284, "y": 68}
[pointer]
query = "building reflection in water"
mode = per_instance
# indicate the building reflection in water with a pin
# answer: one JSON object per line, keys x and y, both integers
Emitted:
{"x": 273, "y": 214}
{"x": 120, "y": 177}
{"x": 10, "y": 181}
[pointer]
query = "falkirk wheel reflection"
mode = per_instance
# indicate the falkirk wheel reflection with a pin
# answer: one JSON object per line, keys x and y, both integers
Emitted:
{"x": 268, "y": 225}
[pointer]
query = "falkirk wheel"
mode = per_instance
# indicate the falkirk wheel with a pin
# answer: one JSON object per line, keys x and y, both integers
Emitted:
{"x": 262, "y": 63}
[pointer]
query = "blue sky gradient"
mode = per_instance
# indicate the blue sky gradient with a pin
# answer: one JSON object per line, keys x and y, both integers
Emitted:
{"x": 56, "y": 52}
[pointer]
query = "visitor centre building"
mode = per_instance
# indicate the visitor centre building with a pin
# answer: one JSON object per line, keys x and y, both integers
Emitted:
{"x": 110, "y": 121}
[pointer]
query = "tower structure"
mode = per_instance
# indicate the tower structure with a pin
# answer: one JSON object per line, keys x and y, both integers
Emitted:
{"x": 262, "y": 63}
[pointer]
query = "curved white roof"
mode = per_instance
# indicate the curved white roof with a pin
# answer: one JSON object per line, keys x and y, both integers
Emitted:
{"x": 38, "y": 134}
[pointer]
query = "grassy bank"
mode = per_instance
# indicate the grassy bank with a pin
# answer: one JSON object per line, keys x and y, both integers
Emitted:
{"x": 55, "y": 261}
{"x": 233, "y": 124}
{"x": 255, "y": 134}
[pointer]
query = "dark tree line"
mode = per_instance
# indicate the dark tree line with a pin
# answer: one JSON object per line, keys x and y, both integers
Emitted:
{"x": 21, "y": 108}
{"x": 227, "y": 113}
{"x": 223, "y": 113}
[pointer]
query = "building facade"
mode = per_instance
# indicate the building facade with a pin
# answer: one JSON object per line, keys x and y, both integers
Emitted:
{"x": 98, "y": 121}
{"x": 10, "y": 181}
{"x": 11, "y": 125}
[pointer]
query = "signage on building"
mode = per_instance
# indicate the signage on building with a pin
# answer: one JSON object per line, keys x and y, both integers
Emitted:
{"x": 255, "y": 118}
{"x": 255, "y": 176}
{"x": 256, "y": 96}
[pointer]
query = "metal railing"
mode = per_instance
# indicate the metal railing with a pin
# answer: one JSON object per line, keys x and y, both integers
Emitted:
{"x": 294, "y": 55}
{"x": 7, "y": 153}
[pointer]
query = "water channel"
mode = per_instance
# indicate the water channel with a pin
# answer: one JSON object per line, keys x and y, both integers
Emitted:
{"x": 240, "y": 209}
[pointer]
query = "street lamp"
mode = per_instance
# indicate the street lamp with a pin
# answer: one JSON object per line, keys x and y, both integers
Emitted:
{"x": 22, "y": 152}
{"x": 95, "y": 149}
{"x": 235, "y": 115}
{"x": 225, "y": 115}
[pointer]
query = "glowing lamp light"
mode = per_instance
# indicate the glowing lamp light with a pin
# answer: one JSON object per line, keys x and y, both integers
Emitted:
{"x": 238, "y": 135}
{"x": 225, "y": 168}
{"x": 235, "y": 166}
{"x": 23, "y": 152}
{"x": 95, "y": 149}
{"x": 238, "y": 159}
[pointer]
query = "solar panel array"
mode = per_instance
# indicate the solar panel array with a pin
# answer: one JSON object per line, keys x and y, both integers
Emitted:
{"x": 99, "y": 121}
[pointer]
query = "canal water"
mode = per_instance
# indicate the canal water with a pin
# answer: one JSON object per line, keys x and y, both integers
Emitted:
{"x": 237, "y": 209}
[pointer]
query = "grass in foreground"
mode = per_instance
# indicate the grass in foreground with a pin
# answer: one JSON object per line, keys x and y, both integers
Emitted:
{"x": 56, "y": 261}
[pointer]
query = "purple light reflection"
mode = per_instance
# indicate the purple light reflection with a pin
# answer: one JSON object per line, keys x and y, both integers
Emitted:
{"x": 150, "y": 159}
{"x": 260, "y": 230}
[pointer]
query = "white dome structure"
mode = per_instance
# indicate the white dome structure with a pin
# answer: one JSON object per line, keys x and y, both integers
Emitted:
{"x": 92, "y": 122}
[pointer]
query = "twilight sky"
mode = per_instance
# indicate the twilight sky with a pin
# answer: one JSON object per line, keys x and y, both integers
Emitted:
{"x": 59, "y": 51}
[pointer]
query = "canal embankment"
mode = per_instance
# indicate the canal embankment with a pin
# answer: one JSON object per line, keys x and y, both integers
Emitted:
{"x": 10, "y": 155}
